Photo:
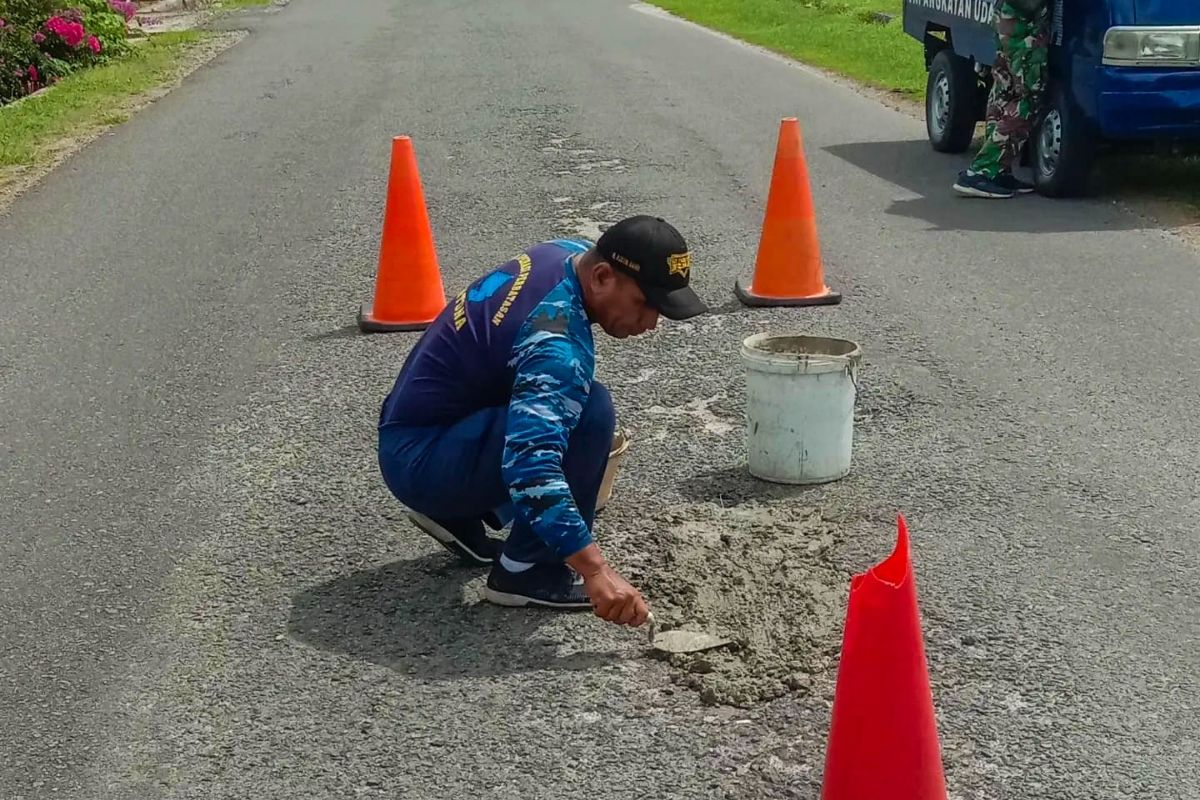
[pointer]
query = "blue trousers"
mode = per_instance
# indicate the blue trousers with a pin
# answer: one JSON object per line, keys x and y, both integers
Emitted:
{"x": 452, "y": 472}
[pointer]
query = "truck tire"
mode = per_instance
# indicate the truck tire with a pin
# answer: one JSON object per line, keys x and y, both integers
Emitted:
{"x": 952, "y": 96}
{"x": 1063, "y": 149}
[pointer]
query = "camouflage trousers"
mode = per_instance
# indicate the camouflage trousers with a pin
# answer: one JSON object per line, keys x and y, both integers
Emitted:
{"x": 1018, "y": 80}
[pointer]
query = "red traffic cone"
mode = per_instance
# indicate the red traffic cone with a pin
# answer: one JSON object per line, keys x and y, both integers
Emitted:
{"x": 883, "y": 740}
{"x": 409, "y": 293}
{"x": 788, "y": 270}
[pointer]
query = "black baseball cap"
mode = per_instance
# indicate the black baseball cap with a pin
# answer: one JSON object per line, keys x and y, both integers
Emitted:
{"x": 650, "y": 250}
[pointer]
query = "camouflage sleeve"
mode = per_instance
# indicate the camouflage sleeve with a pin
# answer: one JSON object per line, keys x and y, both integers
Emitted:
{"x": 550, "y": 388}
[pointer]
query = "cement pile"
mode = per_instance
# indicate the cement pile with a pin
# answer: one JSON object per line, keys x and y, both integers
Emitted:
{"x": 762, "y": 575}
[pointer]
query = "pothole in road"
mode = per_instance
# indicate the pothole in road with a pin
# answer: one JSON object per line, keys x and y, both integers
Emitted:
{"x": 760, "y": 574}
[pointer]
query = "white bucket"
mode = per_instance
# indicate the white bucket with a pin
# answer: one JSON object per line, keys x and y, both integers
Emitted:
{"x": 800, "y": 394}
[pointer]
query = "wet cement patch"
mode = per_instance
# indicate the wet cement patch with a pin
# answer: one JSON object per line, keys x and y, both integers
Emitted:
{"x": 762, "y": 574}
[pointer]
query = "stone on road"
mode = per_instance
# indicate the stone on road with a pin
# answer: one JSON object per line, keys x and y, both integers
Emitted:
{"x": 207, "y": 592}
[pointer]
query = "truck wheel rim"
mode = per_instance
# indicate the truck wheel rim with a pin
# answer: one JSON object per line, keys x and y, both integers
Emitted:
{"x": 940, "y": 113}
{"x": 1050, "y": 143}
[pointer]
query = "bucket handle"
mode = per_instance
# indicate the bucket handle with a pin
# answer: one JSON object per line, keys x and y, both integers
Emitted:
{"x": 851, "y": 368}
{"x": 852, "y": 365}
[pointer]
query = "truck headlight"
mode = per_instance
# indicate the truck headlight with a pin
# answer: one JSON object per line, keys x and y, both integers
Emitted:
{"x": 1133, "y": 47}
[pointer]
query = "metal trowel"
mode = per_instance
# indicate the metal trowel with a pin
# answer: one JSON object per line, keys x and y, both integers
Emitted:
{"x": 678, "y": 641}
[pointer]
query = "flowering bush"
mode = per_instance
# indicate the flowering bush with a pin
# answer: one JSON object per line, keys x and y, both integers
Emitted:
{"x": 126, "y": 8}
{"x": 41, "y": 42}
{"x": 19, "y": 60}
{"x": 62, "y": 36}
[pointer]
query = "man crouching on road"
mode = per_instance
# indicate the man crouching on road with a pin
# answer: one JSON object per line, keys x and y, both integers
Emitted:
{"x": 496, "y": 417}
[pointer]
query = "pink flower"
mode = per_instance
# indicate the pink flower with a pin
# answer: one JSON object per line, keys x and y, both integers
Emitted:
{"x": 39, "y": 37}
{"x": 127, "y": 8}
{"x": 74, "y": 35}
{"x": 70, "y": 32}
{"x": 94, "y": 44}
{"x": 33, "y": 73}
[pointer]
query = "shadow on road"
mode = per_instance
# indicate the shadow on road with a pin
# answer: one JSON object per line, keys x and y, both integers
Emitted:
{"x": 411, "y": 616}
{"x": 914, "y": 166}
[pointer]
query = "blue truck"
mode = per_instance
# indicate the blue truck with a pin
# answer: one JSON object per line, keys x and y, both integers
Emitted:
{"x": 1123, "y": 74}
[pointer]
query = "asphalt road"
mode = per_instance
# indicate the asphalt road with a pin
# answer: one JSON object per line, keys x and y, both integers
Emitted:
{"x": 206, "y": 592}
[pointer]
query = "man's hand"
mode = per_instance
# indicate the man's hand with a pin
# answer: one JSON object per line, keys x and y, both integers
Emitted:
{"x": 613, "y": 599}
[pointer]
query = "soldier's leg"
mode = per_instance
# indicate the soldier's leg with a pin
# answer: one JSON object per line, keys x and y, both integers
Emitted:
{"x": 1028, "y": 56}
{"x": 1001, "y": 101}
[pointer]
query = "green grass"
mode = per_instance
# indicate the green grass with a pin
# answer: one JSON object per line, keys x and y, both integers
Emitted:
{"x": 831, "y": 34}
{"x": 86, "y": 100}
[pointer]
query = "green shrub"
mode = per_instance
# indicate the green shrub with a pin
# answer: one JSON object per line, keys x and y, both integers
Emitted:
{"x": 27, "y": 13}
{"x": 106, "y": 25}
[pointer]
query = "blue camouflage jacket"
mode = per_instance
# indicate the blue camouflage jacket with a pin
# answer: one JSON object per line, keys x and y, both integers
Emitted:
{"x": 519, "y": 336}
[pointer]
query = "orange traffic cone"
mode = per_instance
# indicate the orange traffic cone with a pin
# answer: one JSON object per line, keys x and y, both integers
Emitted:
{"x": 788, "y": 270}
{"x": 408, "y": 287}
{"x": 883, "y": 740}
